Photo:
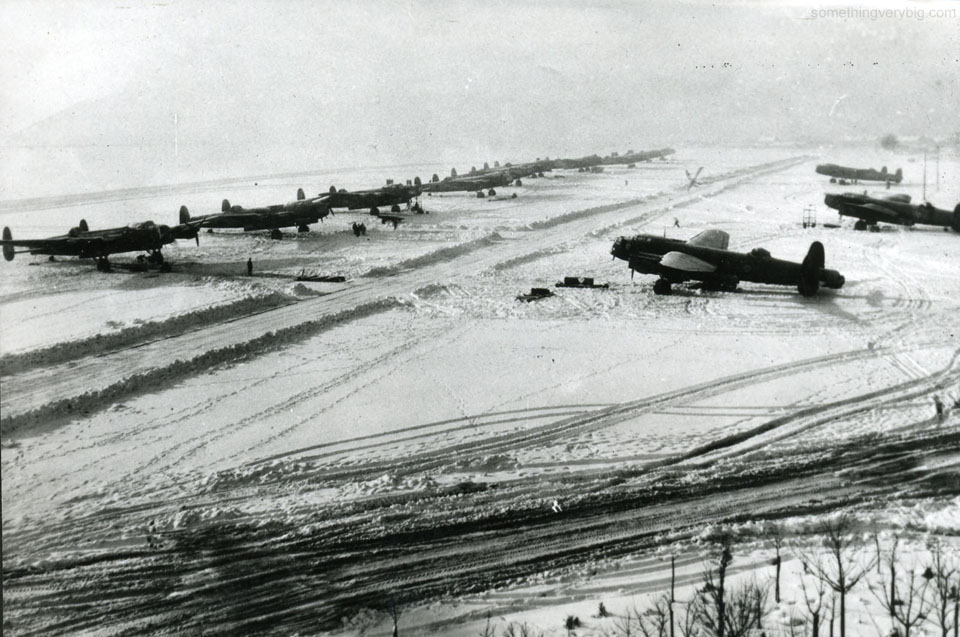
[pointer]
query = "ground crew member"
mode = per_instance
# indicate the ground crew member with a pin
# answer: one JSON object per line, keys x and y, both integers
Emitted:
{"x": 249, "y": 267}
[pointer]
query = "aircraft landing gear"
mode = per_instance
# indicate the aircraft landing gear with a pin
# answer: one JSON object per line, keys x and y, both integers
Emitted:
{"x": 662, "y": 287}
{"x": 860, "y": 225}
{"x": 395, "y": 208}
{"x": 102, "y": 264}
{"x": 303, "y": 228}
{"x": 874, "y": 228}
{"x": 155, "y": 257}
{"x": 276, "y": 234}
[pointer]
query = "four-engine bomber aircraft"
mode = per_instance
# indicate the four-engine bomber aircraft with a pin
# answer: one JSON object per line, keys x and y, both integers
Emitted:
{"x": 300, "y": 213}
{"x": 895, "y": 209}
{"x": 471, "y": 183}
{"x": 859, "y": 174}
{"x": 705, "y": 258}
{"x": 99, "y": 244}
{"x": 389, "y": 195}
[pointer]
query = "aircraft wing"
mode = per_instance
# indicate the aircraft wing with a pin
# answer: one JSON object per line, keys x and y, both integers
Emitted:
{"x": 711, "y": 239}
{"x": 49, "y": 244}
{"x": 686, "y": 263}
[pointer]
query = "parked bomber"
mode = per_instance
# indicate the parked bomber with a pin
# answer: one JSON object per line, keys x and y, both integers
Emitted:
{"x": 705, "y": 258}
{"x": 470, "y": 183}
{"x": 100, "y": 244}
{"x": 859, "y": 174}
{"x": 300, "y": 213}
{"x": 895, "y": 209}
{"x": 389, "y": 195}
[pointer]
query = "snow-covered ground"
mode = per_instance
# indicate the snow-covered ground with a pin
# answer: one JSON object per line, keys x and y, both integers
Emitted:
{"x": 271, "y": 455}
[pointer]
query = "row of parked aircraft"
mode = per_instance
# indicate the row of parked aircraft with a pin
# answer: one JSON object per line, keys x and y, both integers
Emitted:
{"x": 705, "y": 257}
{"x": 300, "y": 213}
{"x": 896, "y": 208}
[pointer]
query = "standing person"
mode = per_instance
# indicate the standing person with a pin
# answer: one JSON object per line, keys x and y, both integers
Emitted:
{"x": 939, "y": 405}
{"x": 249, "y": 267}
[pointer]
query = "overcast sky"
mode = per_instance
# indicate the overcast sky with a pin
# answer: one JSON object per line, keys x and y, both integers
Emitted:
{"x": 399, "y": 80}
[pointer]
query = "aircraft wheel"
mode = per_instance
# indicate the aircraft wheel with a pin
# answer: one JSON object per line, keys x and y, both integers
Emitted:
{"x": 395, "y": 208}
{"x": 662, "y": 287}
{"x": 276, "y": 234}
{"x": 860, "y": 225}
{"x": 165, "y": 267}
{"x": 303, "y": 228}
{"x": 874, "y": 228}
{"x": 103, "y": 265}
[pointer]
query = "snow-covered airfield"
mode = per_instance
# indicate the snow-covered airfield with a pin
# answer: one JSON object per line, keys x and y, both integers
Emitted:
{"x": 202, "y": 451}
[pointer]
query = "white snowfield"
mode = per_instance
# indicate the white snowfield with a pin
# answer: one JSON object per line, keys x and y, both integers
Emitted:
{"x": 203, "y": 451}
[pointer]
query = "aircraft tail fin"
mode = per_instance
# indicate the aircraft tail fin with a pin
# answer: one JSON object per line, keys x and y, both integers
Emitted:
{"x": 898, "y": 176}
{"x": 809, "y": 281}
{"x": 83, "y": 226}
{"x": 955, "y": 224}
{"x": 184, "y": 215}
{"x": 225, "y": 206}
{"x": 8, "y": 251}
{"x": 883, "y": 171}
{"x": 300, "y": 195}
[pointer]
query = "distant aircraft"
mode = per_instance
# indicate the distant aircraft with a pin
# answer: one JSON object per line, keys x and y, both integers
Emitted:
{"x": 857, "y": 174}
{"x": 472, "y": 183}
{"x": 99, "y": 244}
{"x": 895, "y": 209}
{"x": 300, "y": 213}
{"x": 386, "y": 196}
{"x": 693, "y": 178}
{"x": 634, "y": 158}
{"x": 705, "y": 258}
{"x": 614, "y": 158}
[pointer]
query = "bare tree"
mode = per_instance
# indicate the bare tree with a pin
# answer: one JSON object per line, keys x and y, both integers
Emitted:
{"x": 623, "y": 624}
{"x": 846, "y": 564}
{"x": 911, "y": 607}
{"x": 713, "y": 611}
{"x": 673, "y": 584}
{"x": 903, "y": 594}
{"x": 888, "y": 598}
{"x": 516, "y": 629}
{"x": 813, "y": 595}
{"x": 775, "y": 534}
{"x": 688, "y": 621}
{"x": 946, "y": 585}
{"x": 746, "y": 606}
{"x": 394, "y": 612}
{"x": 654, "y": 621}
